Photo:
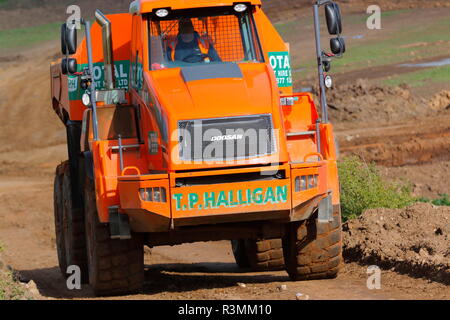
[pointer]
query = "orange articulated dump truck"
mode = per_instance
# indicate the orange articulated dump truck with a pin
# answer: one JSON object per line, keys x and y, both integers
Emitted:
{"x": 182, "y": 126}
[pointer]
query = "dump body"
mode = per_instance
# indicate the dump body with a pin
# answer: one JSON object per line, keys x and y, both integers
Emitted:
{"x": 148, "y": 162}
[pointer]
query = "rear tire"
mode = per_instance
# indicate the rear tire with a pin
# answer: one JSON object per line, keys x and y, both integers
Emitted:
{"x": 313, "y": 250}
{"x": 116, "y": 267}
{"x": 58, "y": 215}
{"x": 69, "y": 225}
{"x": 258, "y": 255}
{"x": 74, "y": 229}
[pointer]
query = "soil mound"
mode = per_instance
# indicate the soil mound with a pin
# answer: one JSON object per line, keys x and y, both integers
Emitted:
{"x": 363, "y": 101}
{"x": 414, "y": 241}
{"x": 441, "y": 101}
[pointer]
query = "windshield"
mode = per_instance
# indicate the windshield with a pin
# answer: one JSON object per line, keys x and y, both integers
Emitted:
{"x": 203, "y": 36}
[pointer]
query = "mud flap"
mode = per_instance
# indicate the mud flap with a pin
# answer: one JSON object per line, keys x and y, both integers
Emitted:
{"x": 326, "y": 209}
{"x": 119, "y": 225}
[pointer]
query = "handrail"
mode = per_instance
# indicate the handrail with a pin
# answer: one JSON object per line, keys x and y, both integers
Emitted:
{"x": 302, "y": 133}
{"x": 127, "y": 146}
{"x": 311, "y": 155}
{"x": 131, "y": 168}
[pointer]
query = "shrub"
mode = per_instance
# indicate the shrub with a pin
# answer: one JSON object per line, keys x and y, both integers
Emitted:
{"x": 9, "y": 288}
{"x": 362, "y": 187}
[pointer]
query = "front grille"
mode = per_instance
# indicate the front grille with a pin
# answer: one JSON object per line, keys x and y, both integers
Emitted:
{"x": 230, "y": 178}
{"x": 226, "y": 139}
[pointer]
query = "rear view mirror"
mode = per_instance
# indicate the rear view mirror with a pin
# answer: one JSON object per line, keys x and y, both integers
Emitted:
{"x": 68, "y": 39}
{"x": 337, "y": 45}
{"x": 334, "y": 18}
{"x": 68, "y": 66}
{"x": 63, "y": 39}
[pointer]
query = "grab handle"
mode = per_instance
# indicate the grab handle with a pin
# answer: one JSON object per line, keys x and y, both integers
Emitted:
{"x": 309, "y": 155}
{"x": 131, "y": 168}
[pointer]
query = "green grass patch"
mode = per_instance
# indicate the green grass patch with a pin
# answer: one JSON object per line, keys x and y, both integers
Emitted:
{"x": 285, "y": 28}
{"x": 25, "y": 37}
{"x": 434, "y": 39}
{"x": 362, "y": 187}
{"x": 362, "y": 18}
{"x": 417, "y": 41}
{"x": 393, "y": 13}
{"x": 443, "y": 200}
{"x": 421, "y": 78}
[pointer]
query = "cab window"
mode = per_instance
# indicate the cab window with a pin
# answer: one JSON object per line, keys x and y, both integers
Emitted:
{"x": 213, "y": 35}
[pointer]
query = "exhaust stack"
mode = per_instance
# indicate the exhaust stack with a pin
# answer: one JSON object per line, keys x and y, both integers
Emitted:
{"x": 108, "y": 58}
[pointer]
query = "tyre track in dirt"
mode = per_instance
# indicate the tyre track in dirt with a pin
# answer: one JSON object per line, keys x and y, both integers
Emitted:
{"x": 414, "y": 142}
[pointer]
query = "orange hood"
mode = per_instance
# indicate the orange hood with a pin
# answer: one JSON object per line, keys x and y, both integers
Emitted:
{"x": 183, "y": 96}
{"x": 215, "y": 97}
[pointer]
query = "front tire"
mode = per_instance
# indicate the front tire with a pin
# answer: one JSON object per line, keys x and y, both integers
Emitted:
{"x": 258, "y": 255}
{"x": 116, "y": 267}
{"x": 313, "y": 250}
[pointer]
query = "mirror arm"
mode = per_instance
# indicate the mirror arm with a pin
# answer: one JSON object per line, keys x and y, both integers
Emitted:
{"x": 92, "y": 89}
{"x": 319, "y": 52}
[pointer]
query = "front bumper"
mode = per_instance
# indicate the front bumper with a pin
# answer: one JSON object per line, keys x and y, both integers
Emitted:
{"x": 222, "y": 196}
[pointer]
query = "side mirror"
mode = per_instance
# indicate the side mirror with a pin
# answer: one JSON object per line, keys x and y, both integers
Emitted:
{"x": 69, "y": 66}
{"x": 337, "y": 45}
{"x": 334, "y": 18}
{"x": 68, "y": 39}
{"x": 63, "y": 39}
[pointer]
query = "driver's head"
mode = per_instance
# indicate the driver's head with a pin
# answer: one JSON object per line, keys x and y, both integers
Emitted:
{"x": 185, "y": 26}
{"x": 186, "y": 30}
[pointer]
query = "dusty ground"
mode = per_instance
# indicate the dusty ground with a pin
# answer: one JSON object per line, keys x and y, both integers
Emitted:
{"x": 194, "y": 271}
{"x": 409, "y": 141}
{"x": 360, "y": 101}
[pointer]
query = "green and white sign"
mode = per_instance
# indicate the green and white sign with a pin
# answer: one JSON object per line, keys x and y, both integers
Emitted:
{"x": 122, "y": 69}
{"x": 230, "y": 199}
{"x": 281, "y": 65}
